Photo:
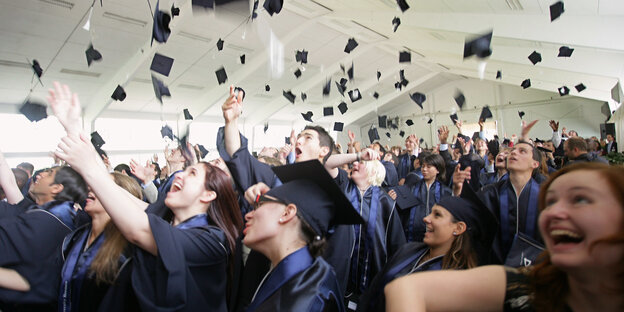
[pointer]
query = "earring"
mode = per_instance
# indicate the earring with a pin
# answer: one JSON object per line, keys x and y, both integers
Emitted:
{"x": 455, "y": 233}
{"x": 281, "y": 220}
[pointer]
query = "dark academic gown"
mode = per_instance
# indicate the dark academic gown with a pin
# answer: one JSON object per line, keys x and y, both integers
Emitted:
{"x": 30, "y": 244}
{"x": 404, "y": 262}
{"x": 377, "y": 239}
{"x": 415, "y": 202}
{"x": 392, "y": 177}
{"x": 405, "y": 165}
{"x": 512, "y": 215}
{"x": 299, "y": 283}
{"x": 164, "y": 187}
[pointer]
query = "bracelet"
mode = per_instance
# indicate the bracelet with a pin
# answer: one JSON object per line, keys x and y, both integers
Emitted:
{"x": 358, "y": 156}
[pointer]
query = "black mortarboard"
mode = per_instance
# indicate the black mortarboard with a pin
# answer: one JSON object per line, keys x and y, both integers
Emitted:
{"x": 341, "y": 88}
{"x": 460, "y": 99}
{"x": 388, "y": 135}
{"x": 97, "y": 140}
{"x": 239, "y": 89}
{"x": 303, "y": 96}
{"x": 162, "y": 64}
{"x": 580, "y": 87}
{"x": 383, "y": 121}
{"x": 267, "y": 88}
{"x": 403, "y": 5}
{"x": 166, "y": 132}
{"x": 350, "y": 72}
{"x": 119, "y": 94}
{"x": 499, "y": 74}
{"x": 343, "y": 107}
{"x": 355, "y": 95}
{"x": 395, "y": 23}
{"x": 430, "y": 120}
{"x": 302, "y": 56}
{"x": 493, "y": 147}
{"x": 307, "y": 116}
{"x": 543, "y": 149}
{"x": 328, "y": 111}
{"x": 289, "y": 96}
{"x": 373, "y": 134}
{"x": 202, "y": 151}
{"x": 207, "y": 4}
{"x": 254, "y": 12}
{"x": 418, "y": 98}
{"x": 297, "y": 73}
{"x": 485, "y": 113}
{"x": 479, "y": 46}
{"x": 221, "y": 75}
{"x": 409, "y": 122}
{"x": 454, "y": 118}
{"x": 92, "y": 55}
{"x": 242, "y": 59}
{"x": 220, "y": 44}
{"x": 535, "y": 57}
{"x": 506, "y": 141}
{"x": 34, "y": 111}
{"x": 160, "y": 31}
{"x": 378, "y": 75}
{"x": 273, "y": 6}
{"x": 405, "y": 57}
{"x": 351, "y": 44}
{"x": 526, "y": 83}
{"x": 402, "y": 133}
{"x": 404, "y": 82}
{"x": 37, "y": 69}
{"x": 174, "y": 11}
{"x": 521, "y": 114}
{"x": 565, "y": 51}
{"x": 338, "y": 126}
{"x": 343, "y": 82}
{"x": 376, "y": 95}
{"x": 266, "y": 126}
{"x": 160, "y": 89}
{"x": 563, "y": 90}
{"x": 319, "y": 201}
{"x": 556, "y": 10}
{"x": 398, "y": 85}
{"x": 187, "y": 114}
{"x": 327, "y": 87}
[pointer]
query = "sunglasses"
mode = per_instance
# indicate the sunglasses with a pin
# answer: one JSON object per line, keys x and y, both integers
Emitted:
{"x": 261, "y": 199}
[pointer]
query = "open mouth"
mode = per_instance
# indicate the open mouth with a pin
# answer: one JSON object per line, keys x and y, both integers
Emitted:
{"x": 297, "y": 152}
{"x": 565, "y": 237}
{"x": 176, "y": 186}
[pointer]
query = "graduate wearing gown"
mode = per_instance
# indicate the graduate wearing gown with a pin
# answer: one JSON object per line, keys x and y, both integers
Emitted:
{"x": 289, "y": 226}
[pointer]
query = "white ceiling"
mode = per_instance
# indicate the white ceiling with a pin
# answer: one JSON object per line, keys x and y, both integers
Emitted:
{"x": 51, "y": 32}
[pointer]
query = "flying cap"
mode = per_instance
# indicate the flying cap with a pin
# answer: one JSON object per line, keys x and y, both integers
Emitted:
{"x": 297, "y": 73}
{"x": 119, "y": 94}
{"x": 327, "y": 87}
{"x": 160, "y": 29}
{"x": 273, "y": 6}
{"x": 403, "y": 5}
{"x": 499, "y": 74}
{"x": 454, "y": 118}
{"x": 304, "y": 96}
{"x": 97, "y": 140}
{"x": 395, "y": 23}
{"x": 160, "y": 89}
{"x": 383, "y": 121}
{"x": 460, "y": 99}
{"x": 580, "y": 87}
{"x": 526, "y": 83}
{"x": 301, "y": 56}
{"x": 556, "y": 9}
{"x": 479, "y": 46}
{"x": 418, "y": 98}
{"x": 34, "y": 111}
{"x": 289, "y": 96}
{"x": 92, "y": 55}
{"x": 161, "y": 64}
{"x": 563, "y": 90}
{"x": 409, "y": 122}
{"x": 242, "y": 59}
{"x": 351, "y": 44}
{"x": 166, "y": 132}
{"x": 405, "y": 57}
{"x": 373, "y": 134}
{"x": 565, "y": 51}
{"x": 187, "y": 114}
{"x": 485, "y": 113}
{"x": 355, "y": 95}
{"x": 343, "y": 107}
{"x": 521, "y": 114}
{"x": 202, "y": 151}
{"x": 221, "y": 75}
{"x": 338, "y": 126}
{"x": 350, "y": 72}
{"x": 307, "y": 116}
{"x": 535, "y": 57}
{"x": 220, "y": 44}
{"x": 328, "y": 111}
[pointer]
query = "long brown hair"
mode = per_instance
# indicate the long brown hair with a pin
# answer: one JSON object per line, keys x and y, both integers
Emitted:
{"x": 550, "y": 284}
{"x": 105, "y": 265}
{"x": 461, "y": 255}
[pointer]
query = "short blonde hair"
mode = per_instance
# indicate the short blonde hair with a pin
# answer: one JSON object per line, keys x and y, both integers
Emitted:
{"x": 375, "y": 171}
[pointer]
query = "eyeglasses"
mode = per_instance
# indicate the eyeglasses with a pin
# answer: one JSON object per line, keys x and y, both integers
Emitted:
{"x": 261, "y": 199}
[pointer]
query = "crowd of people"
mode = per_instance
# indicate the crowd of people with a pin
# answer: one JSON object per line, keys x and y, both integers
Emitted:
{"x": 472, "y": 224}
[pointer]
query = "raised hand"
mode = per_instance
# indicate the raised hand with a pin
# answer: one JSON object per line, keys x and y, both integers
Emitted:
{"x": 443, "y": 134}
{"x": 369, "y": 154}
{"x": 459, "y": 176}
{"x": 144, "y": 173}
{"x": 256, "y": 190}
{"x": 554, "y": 125}
{"x": 79, "y": 153}
{"x": 66, "y": 107}
{"x": 526, "y": 128}
{"x": 351, "y": 137}
{"x": 233, "y": 106}
{"x": 392, "y": 194}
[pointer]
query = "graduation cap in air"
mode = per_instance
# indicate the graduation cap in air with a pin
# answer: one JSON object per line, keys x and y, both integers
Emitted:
{"x": 521, "y": 114}
{"x": 338, "y": 126}
{"x": 565, "y": 51}
{"x": 404, "y": 82}
{"x": 350, "y": 72}
{"x": 479, "y": 46}
{"x": 304, "y": 97}
{"x": 92, "y": 55}
{"x": 238, "y": 90}
{"x": 409, "y": 122}
{"x": 402, "y": 133}
{"x": 206, "y": 4}
{"x": 580, "y": 87}
{"x": 37, "y": 70}
{"x": 355, "y": 95}
{"x": 254, "y": 11}
{"x": 221, "y": 75}
{"x": 430, "y": 120}
{"x": 34, "y": 111}
{"x": 388, "y": 135}
{"x": 342, "y": 86}
{"x": 187, "y": 114}
{"x": 395, "y": 23}
{"x": 160, "y": 29}
{"x": 485, "y": 113}
{"x": 302, "y": 56}
{"x": 383, "y": 121}
{"x": 526, "y": 83}
{"x": 328, "y": 111}
{"x": 327, "y": 87}
{"x": 174, "y": 11}
{"x": 273, "y": 6}
{"x": 220, "y": 43}
{"x": 160, "y": 89}
{"x": 267, "y": 88}
{"x": 376, "y": 95}
{"x": 499, "y": 74}
{"x": 378, "y": 75}
{"x": 351, "y": 44}
{"x": 556, "y": 9}
{"x": 266, "y": 126}
{"x": 307, "y": 116}
{"x": 242, "y": 59}
{"x": 373, "y": 134}
{"x": 405, "y": 57}
{"x": 403, "y": 5}
{"x": 202, "y": 151}
{"x": 319, "y": 202}
{"x": 119, "y": 94}
{"x": 493, "y": 147}
{"x": 161, "y": 64}
{"x": 297, "y": 73}
{"x": 460, "y": 99}
{"x": 343, "y": 107}
{"x": 418, "y": 98}
{"x": 454, "y": 118}
{"x": 535, "y": 57}
{"x": 166, "y": 132}
{"x": 398, "y": 85}
{"x": 289, "y": 96}
{"x": 97, "y": 140}
{"x": 563, "y": 90}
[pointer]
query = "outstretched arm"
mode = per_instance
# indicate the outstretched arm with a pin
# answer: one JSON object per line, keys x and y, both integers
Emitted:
{"x": 8, "y": 183}
{"x": 232, "y": 109}
{"x": 336, "y": 160}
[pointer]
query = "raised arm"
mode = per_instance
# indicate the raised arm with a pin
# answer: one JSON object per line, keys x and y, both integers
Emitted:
{"x": 232, "y": 109}
{"x": 556, "y": 136}
{"x": 8, "y": 183}
{"x": 526, "y": 128}
{"x": 66, "y": 108}
{"x": 336, "y": 160}
{"x": 478, "y": 289}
